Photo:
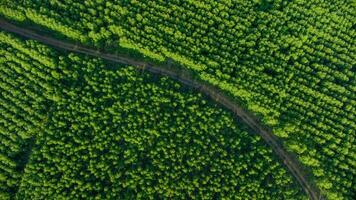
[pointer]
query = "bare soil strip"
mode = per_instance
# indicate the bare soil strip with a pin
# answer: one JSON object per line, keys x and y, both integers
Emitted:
{"x": 185, "y": 78}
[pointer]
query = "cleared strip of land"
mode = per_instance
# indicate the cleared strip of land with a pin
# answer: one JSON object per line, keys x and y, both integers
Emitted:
{"x": 187, "y": 79}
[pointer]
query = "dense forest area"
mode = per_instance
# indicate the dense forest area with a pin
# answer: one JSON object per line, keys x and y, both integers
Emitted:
{"x": 290, "y": 62}
{"x": 81, "y": 128}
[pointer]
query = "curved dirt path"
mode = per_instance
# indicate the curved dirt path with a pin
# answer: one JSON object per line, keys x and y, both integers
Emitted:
{"x": 185, "y": 78}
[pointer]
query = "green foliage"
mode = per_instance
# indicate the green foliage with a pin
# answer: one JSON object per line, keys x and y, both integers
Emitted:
{"x": 111, "y": 132}
{"x": 21, "y": 105}
{"x": 290, "y": 62}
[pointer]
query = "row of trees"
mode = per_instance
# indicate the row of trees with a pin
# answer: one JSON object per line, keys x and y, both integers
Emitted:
{"x": 112, "y": 132}
{"x": 21, "y": 111}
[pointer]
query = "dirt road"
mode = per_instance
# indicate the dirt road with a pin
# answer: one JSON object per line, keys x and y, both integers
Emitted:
{"x": 185, "y": 78}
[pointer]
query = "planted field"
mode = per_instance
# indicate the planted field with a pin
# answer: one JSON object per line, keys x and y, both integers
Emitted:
{"x": 107, "y": 131}
{"x": 290, "y": 62}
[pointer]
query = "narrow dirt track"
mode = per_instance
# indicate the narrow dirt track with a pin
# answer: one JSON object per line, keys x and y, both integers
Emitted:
{"x": 185, "y": 78}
